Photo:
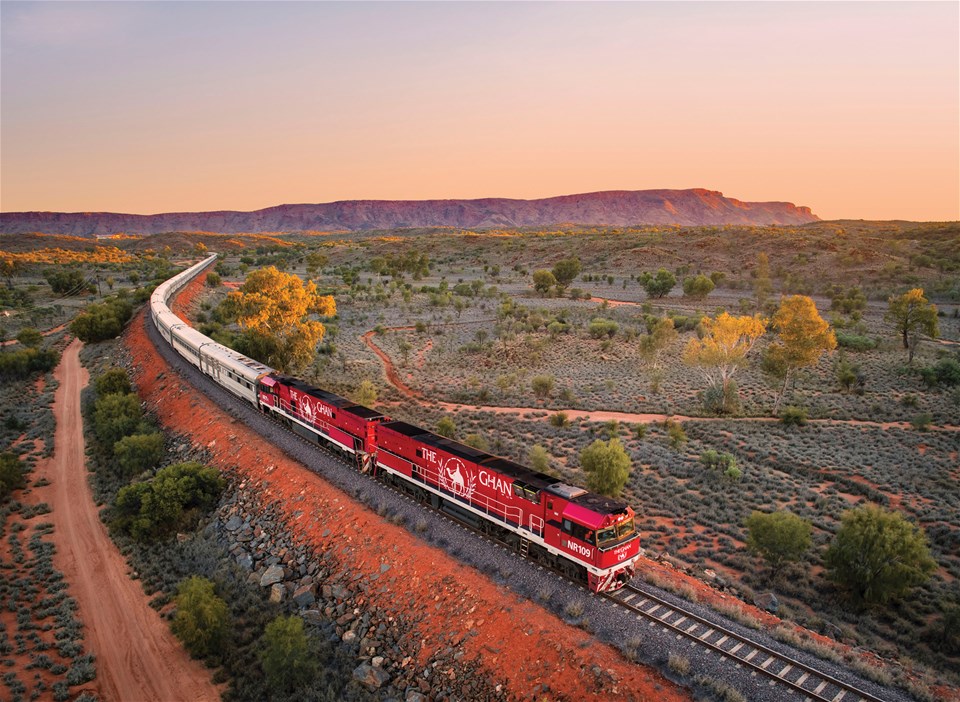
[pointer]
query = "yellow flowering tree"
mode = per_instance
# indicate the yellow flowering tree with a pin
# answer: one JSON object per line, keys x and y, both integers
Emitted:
{"x": 274, "y": 307}
{"x": 723, "y": 350}
{"x": 803, "y": 336}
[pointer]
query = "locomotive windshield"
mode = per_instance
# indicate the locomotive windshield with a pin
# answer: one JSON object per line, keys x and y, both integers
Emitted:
{"x": 615, "y": 533}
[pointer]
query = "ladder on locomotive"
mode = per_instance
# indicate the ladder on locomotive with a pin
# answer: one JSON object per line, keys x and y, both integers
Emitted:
{"x": 524, "y": 546}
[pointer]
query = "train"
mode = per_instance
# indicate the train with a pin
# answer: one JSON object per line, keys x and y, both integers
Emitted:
{"x": 590, "y": 538}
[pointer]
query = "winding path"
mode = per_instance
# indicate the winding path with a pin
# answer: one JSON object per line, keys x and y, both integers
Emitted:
{"x": 138, "y": 658}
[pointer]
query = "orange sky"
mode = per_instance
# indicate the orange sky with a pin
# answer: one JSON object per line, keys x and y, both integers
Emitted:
{"x": 852, "y": 109}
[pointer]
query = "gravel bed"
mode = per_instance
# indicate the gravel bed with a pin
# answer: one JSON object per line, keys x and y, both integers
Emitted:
{"x": 608, "y": 622}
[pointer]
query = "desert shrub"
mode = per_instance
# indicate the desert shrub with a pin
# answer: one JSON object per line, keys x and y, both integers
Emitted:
{"x": 102, "y": 321}
{"x": 560, "y": 420}
{"x": 30, "y": 337}
{"x": 113, "y": 382}
{"x": 173, "y": 500}
{"x": 285, "y": 656}
{"x": 539, "y": 458}
{"x": 116, "y": 416}
{"x": 946, "y": 372}
{"x": 600, "y": 327}
{"x": 780, "y": 537}
{"x": 477, "y": 441}
{"x": 855, "y": 342}
{"x": 67, "y": 281}
{"x": 720, "y": 399}
{"x": 365, "y": 394}
{"x": 542, "y": 385}
{"x": 922, "y": 421}
{"x": 138, "y": 452}
{"x": 675, "y": 434}
{"x": 698, "y": 287}
{"x": 21, "y": 364}
{"x": 213, "y": 279}
{"x": 446, "y": 427}
{"x": 11, "y": 474}
{"x": 202, "y": 617}
{"x": 794, "y": 416}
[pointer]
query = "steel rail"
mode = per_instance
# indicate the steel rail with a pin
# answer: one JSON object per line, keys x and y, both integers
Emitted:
{"x": 808, "y": 673}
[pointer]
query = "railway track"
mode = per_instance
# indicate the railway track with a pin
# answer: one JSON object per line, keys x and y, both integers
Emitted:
{"x": 781, "y": 669}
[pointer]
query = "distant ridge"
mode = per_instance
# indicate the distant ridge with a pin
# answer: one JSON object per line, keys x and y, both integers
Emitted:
{"x": 616, "y": 207}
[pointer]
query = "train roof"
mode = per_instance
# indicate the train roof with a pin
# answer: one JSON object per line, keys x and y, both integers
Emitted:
{"x": 539, "y": 481}
{"x": 502, "y": 465}
{"x": 330, "y": 398}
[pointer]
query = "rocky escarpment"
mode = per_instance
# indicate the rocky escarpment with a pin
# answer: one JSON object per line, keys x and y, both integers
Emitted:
{"x": 335, "y": 599}
{"x": 693, "y": 207}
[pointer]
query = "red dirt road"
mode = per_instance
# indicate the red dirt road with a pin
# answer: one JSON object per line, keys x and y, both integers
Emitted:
{"x": 138, "y": 659}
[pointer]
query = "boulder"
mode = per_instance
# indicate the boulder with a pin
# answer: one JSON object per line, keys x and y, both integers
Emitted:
{"x": 303, "y": 596}
{"x": 276, "y": 593}
{"x": 767, "y": 601}
{"x": 370, "y": 677}
{"x": 271, "y": 576}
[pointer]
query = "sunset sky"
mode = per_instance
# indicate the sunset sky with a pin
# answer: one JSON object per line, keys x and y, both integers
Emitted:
{"x": 852, "y": 109}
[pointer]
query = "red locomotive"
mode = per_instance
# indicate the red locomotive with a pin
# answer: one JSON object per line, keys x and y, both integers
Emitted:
{"x": 592, "y": 539}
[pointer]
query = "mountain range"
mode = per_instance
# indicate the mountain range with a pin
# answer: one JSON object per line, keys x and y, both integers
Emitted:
{"x": 693, "y": 207}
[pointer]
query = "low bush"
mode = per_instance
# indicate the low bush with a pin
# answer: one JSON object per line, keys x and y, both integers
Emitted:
{"x": 18, "y": 365}
{"x": 855, "y": 342}
{"x": 171, "y": 501}
{"x": 794, "y": 416}
{"x": 11, "y": 474}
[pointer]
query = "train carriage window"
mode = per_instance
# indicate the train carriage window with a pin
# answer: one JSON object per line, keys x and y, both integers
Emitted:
{"x": 532, "y": 495}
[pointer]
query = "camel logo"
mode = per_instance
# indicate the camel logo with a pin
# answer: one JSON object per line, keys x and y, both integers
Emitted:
{"x": 306, "y": 409}
{"x": 453, "y": 478}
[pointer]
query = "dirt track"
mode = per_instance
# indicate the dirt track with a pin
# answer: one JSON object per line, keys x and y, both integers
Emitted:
{"x": 138, "y": 659}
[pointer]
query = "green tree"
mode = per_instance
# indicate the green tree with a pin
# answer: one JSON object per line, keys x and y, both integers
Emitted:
{"x": 660, "y": 284}
{"x": 113, "y": 382}
{"x": 543, "y": 280}
{"x": 539, "y": 458}
{"x": 202, "y": 617}
{"x": 30, "y": 337}
{"x": 116, "y": 416}
{"x": 138, "y": 452}
{"x": 365, "y": 394}
{"x": 659, "y": 339}
{"x": 877, "y": 555}
{"x": 565, "y": 272}
{"x": 607, "y": 466}
{"x": 780, "y": 537}
{"x": 446, "y": 427}
{"x": 698, "y": 286}
{"x": 11, "y": 474}
{"x": 912, "y": 315}
{"x": 285, "y": 656}
{"x": 213, "y": 279}
{"x": 802, "y": 338}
